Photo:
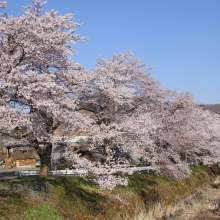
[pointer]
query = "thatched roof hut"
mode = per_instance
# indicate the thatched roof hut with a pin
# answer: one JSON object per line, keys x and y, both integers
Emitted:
{"x": 10, "y": 142}
{"x": 6, "y": 141}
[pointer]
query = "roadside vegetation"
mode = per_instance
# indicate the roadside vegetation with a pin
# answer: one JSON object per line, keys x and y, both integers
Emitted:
{"x": 147, "y": 196}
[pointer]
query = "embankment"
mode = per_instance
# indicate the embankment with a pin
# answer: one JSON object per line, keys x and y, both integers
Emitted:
{"x": 75, "y": 198}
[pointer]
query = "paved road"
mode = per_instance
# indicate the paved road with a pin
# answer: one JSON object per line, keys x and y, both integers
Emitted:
{"x": 12, "y": 173}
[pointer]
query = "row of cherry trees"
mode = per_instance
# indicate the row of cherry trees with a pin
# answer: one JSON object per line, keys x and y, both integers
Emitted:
{"x": 118, "y": 103}
{"x": 130, "y": 111}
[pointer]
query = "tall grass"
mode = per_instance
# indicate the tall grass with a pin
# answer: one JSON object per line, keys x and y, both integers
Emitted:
{"x": 148, "y": 196}
{"x": 158, "y": 211}
{"x": 202, "y": 205}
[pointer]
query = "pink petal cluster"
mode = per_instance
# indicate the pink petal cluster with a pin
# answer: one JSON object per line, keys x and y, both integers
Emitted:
{"x": 124, "y": 111}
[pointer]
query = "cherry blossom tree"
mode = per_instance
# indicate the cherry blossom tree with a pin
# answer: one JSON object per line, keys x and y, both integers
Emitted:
{"x": 3, "y": 4}
{"x": 130, "y": 111}
{"x": 209, "y": 151}
{"x": 115, "y": 93}
{"x": 121, "y": 106}
{"x": 38, "y": 77}
{"x": 182, "y": 130}
{"x": 120, "y": 97}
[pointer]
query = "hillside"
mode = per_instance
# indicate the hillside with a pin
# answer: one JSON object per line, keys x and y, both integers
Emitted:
{"x": 214, "y": 108}
{"x": 74, "y": 198}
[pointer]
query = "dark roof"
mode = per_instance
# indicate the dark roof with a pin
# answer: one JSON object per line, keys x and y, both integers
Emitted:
{"x": 7, "y": 141}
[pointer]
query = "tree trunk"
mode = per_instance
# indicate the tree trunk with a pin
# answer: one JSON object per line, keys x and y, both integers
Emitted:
{"x": 107, "y": 152}
{"x": 44, "y": 153}
{"x": 196, "y": 160}
{"x": 186, "y": 158}
{"x": 45, "y": 157}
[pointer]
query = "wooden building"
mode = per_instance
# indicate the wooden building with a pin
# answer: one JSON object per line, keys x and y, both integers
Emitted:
{"x": 19, "y": 159}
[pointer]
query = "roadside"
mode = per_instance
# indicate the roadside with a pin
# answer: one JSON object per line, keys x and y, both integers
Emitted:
{"x": 2, "y": 170}
{"x": 76, "y": 198}
{"x": 12, "y": 172}
{"x": 202, "y": 205}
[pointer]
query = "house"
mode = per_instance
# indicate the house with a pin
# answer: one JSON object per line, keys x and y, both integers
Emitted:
{"x": 15, "y": 153}
{"x": 19, "y": 159}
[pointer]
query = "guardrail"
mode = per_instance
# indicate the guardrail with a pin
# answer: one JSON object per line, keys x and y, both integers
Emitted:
{"x": 78, "y": 172}
{"x": 22, "y": 173}
{"x": 140, "y": 169}
{"x": 52, "y": 172}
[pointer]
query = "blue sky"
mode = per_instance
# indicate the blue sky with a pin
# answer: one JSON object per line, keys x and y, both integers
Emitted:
{"x": 180, "y": 38}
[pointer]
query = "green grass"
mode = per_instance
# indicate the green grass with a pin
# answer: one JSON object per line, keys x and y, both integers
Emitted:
{"x": 198, "y": 169}
{"x": 23, "y": 180}
{"x": 76, "y": 195}
{"x": 12, "y": 206}
{"x": 68, "y": 197}
{"x": 146, "y": 181}
{"x": 42, "y": 213}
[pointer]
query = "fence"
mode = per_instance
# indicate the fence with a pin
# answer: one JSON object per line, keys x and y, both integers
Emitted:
{"x": 79, "y": 172}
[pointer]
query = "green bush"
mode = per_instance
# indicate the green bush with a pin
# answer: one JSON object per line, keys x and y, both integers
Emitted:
{"x": 61, "y": 166}
{"x": 31, "y": 150}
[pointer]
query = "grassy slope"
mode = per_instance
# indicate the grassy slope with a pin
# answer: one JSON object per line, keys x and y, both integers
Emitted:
{"x": 75, "y": 198}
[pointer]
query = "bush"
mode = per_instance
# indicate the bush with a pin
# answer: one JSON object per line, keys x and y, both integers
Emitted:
{"x": 31, "y": 150}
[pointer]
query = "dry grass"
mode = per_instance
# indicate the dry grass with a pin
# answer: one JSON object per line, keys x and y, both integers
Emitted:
{"x": 157, "y": 212}
{"x": 76, "y": 198}
{"x": 205, "y": 206}
{"x": 202, "y": 205}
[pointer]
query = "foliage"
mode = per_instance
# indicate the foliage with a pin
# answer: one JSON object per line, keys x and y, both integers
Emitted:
{"x": 122, "y": 108}
{"x": 37, "y": 75}
{"x": 197, "y": 169}
{"x": 75, "y": 198}
{"x": 131, "y": 114}
{"x": 31, "y": 150}
{"x": 12, "y": 206}
{"x": 41, "y": 213}
{"x": 141, "y": 181}
{"x": 3, "y": 4}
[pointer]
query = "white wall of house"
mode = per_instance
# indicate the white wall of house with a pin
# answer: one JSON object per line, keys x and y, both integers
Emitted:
{"x": 58, "y": 148}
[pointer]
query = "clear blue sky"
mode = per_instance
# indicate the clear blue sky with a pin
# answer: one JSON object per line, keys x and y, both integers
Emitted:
{"x": 180, "y": 38}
